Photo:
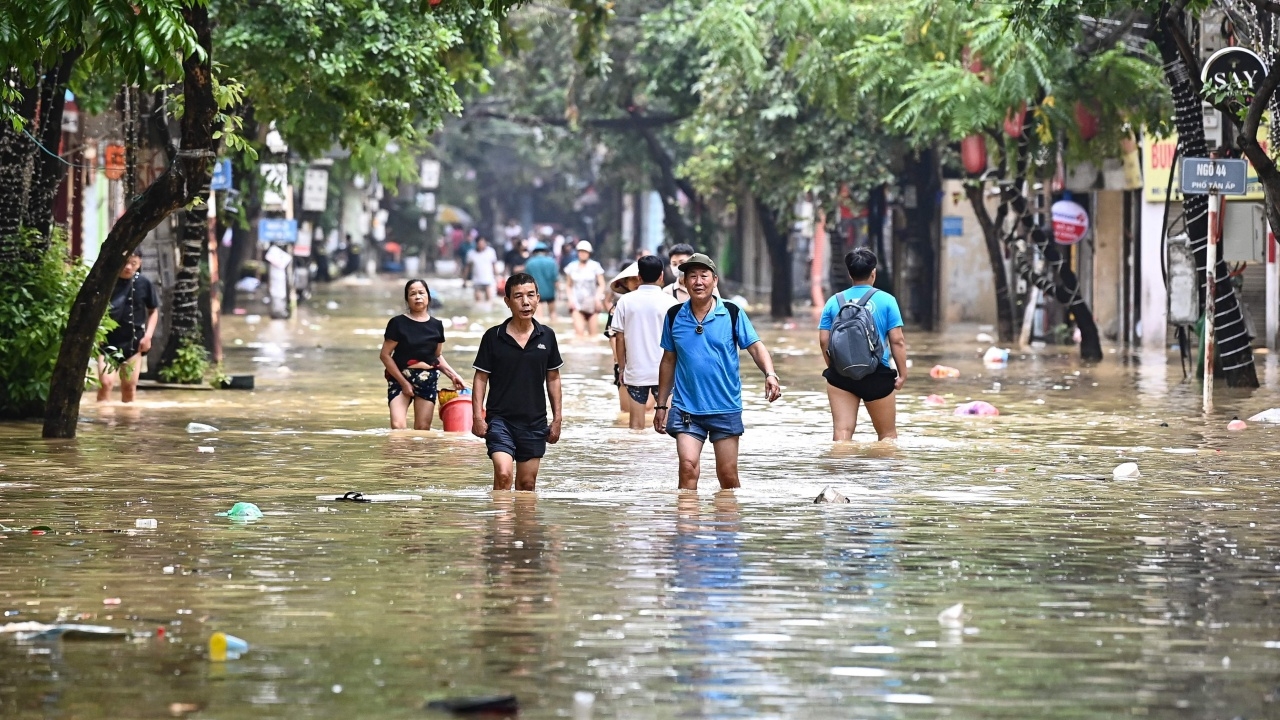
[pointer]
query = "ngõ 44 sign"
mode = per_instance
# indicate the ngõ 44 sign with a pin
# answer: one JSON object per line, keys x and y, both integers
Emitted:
{"x": 1201, "y": 176}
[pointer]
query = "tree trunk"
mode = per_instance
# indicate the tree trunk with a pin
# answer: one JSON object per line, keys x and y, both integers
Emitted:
{"x": 189, "y": 171}
{"x": 776, "y": 240}
{"x": 185, "y": 310}
{"x": 995, "y": 255}
{"x": 1059, "y": 282}
{"x": 16, "y": 156}
{"x": 668, "y": 187}
{"x": 47, "y": 170}
{"x": 1235, "y": 346}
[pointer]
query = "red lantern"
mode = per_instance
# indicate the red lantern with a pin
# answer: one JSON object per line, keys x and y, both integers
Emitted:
{"x": 1014, "y": 120}
{"x": 973, "y": 154}
{"x": 1086, "y": 120}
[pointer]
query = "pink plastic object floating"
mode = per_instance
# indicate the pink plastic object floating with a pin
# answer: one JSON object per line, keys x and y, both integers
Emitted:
{"x": 1237, "y": 424}
{"x": 979, "y": 408}
{"x": 935, "y": 400}
{"x": 942, "y": 371}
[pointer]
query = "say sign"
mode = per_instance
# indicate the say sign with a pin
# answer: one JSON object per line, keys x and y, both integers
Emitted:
{"x": 1201, "y": 176}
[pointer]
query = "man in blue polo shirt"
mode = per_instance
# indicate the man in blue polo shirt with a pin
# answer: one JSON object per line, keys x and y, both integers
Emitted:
{"x": 700, "y": 340}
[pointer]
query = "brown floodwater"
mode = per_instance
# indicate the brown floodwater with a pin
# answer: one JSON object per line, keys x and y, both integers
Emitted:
{"x": 1084, "y": 596}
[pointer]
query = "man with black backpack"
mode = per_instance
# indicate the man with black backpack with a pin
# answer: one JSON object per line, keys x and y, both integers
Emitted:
{"x": 701, "y": 339}
{"x": 860, "y": 329}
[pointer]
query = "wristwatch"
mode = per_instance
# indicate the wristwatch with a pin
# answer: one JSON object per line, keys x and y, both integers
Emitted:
{"x": 772, "y": 375}
{"x": 661, "y": 407}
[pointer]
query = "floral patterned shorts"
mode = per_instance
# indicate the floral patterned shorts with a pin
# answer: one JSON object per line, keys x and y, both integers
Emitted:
{"x": 424, "y": 384}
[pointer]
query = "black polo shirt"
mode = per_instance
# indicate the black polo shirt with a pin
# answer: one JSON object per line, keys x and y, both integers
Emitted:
{"x": 518, "y": 375}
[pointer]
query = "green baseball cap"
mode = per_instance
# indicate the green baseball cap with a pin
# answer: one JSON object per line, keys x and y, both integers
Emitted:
{"x": 698, "y": 260}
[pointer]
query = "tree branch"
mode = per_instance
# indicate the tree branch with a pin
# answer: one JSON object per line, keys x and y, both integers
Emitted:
{"x": 1269, "y": 5}
{"x": 1173, "y": 19}
{"x": 633, "y": 122}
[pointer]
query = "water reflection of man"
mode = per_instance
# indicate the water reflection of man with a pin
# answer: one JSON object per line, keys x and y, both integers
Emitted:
{"x": 521, "y": 577}
{"x": 709, "y": 578}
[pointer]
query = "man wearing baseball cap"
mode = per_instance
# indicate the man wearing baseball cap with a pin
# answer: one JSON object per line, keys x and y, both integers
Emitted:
{"x": 699, "y": 385}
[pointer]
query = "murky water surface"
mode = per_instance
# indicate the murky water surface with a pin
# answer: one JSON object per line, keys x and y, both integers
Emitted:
{"x": 1083, "y": 596}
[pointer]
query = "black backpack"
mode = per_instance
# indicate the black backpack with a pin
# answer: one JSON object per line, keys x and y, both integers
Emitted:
{"x": 855, "y": 346}
{"x": 733, "y": 309}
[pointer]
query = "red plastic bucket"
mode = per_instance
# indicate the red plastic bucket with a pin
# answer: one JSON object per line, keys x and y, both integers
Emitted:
{"x": 456, "y": 414}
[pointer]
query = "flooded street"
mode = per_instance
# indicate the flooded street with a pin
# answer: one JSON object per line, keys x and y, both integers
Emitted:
{"x": 1083, "y": 596}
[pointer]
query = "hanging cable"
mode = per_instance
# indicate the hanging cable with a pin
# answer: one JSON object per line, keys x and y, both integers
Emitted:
{"x": 56, "y": 156}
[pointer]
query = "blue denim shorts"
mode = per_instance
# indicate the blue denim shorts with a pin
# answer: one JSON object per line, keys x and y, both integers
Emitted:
{"x": 717, "y": 427}
{"x": 522, "y": 442}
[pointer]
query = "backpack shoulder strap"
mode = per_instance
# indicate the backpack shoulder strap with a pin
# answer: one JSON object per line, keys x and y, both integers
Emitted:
{"x": 862, "y": 301}
{"x": 733, "y": 319}
{"x": 672, "y": 312}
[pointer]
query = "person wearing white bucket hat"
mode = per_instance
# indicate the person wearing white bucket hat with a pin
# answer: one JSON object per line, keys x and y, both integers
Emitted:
{"x": 586, "y": 291}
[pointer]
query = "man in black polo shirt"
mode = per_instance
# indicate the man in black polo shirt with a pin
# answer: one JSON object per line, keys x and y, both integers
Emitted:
{"x": 515, "y": 360}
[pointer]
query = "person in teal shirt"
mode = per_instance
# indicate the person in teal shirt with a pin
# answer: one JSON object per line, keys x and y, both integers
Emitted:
{"x": 879, "y": 389}
{"x": 545, "y": 272}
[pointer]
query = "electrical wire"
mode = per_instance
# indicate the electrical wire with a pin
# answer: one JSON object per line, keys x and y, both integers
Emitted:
{"x": 56, "y": 156}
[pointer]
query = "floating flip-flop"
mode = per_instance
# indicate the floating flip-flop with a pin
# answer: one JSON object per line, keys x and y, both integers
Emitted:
{"x": 498, "y": 705}
{"x": 359, "y": 497}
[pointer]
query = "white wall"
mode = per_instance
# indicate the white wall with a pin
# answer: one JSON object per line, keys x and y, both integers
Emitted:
{"x": 967, "y": 292}
{"x": 1154, "y": 298}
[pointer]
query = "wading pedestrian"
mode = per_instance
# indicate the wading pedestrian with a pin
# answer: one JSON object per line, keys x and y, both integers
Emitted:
{"x": 637, "y": 325}
{"x": 700, "y": 340}
{"x": 516, "y": 362}
{"x": 877, "y": 388}
{"x": 412, "y": 348}
{"x": 135, "y": 307}
{"x": 586, "y": 291}
{"x": 482, "y": 264}
{"x": 544, "y": 271}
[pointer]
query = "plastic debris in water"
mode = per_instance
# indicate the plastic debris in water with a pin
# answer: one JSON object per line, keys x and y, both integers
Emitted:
{"x": 995, "y": 357}
{"x": 952, "y": 616}
{"x": 204, "y": 448}
{"x": 1237, "y": 424}
{"x": 1126, "y": 471}
{"x": 243, "y": 511}
{"x": 146, "y": 523}
{"x": 195, "y": 427}
{"x": 980, "y": 408}
{"x": 935, "y": 400}
{"x": 1267, "y": 416}
{"x": 829, "y": 495}
{"x": 224, "y": 647}
{"x": 985, "y": 338}
{"x": 940, "y": 372}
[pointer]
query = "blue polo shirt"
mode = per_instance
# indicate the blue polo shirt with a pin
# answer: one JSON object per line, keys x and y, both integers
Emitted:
{"x": 707, "y": 378}
{"x": 883, "y": 307}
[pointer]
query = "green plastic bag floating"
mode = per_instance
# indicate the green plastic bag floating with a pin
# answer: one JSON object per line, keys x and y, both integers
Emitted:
{"x": 242, "y": 511}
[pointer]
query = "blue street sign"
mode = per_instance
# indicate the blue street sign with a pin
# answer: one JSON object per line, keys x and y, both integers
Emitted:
{"x": 221, "y": 176}
{"x": 1201, "y": 176}
{"x": 277, "y": 230}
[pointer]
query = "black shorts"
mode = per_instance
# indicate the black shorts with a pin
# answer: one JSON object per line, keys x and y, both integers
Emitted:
{"x": 424, "y": 383}
{"x": 640, "y": 393}
{"x": 876, "y": 386}
{"x": 522, "y": 442}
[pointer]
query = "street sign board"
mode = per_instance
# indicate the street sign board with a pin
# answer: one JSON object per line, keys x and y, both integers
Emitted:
{"x": 1070, "y": 222}
{"x": 277, "y": 230}
{"x": 427, "y": 202}
{"x": 315, "y": 190}
{"x": 1234, "y": 67}
{"x": 1201, "y": 176}
{"x": 429, "y": 174}
{"x": 221, "y": 175}
{"x": 276, "y": 176}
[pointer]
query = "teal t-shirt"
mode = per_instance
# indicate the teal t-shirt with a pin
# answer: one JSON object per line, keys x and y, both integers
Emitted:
{"x": 708, "y": 380}
{"x": 883, "y": 306}
{"x": 544, "y": 271}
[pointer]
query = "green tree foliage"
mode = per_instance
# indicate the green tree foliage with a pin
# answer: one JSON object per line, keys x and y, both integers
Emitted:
{"x": 355, "y": 72}
{"x": 33, "y": 313}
